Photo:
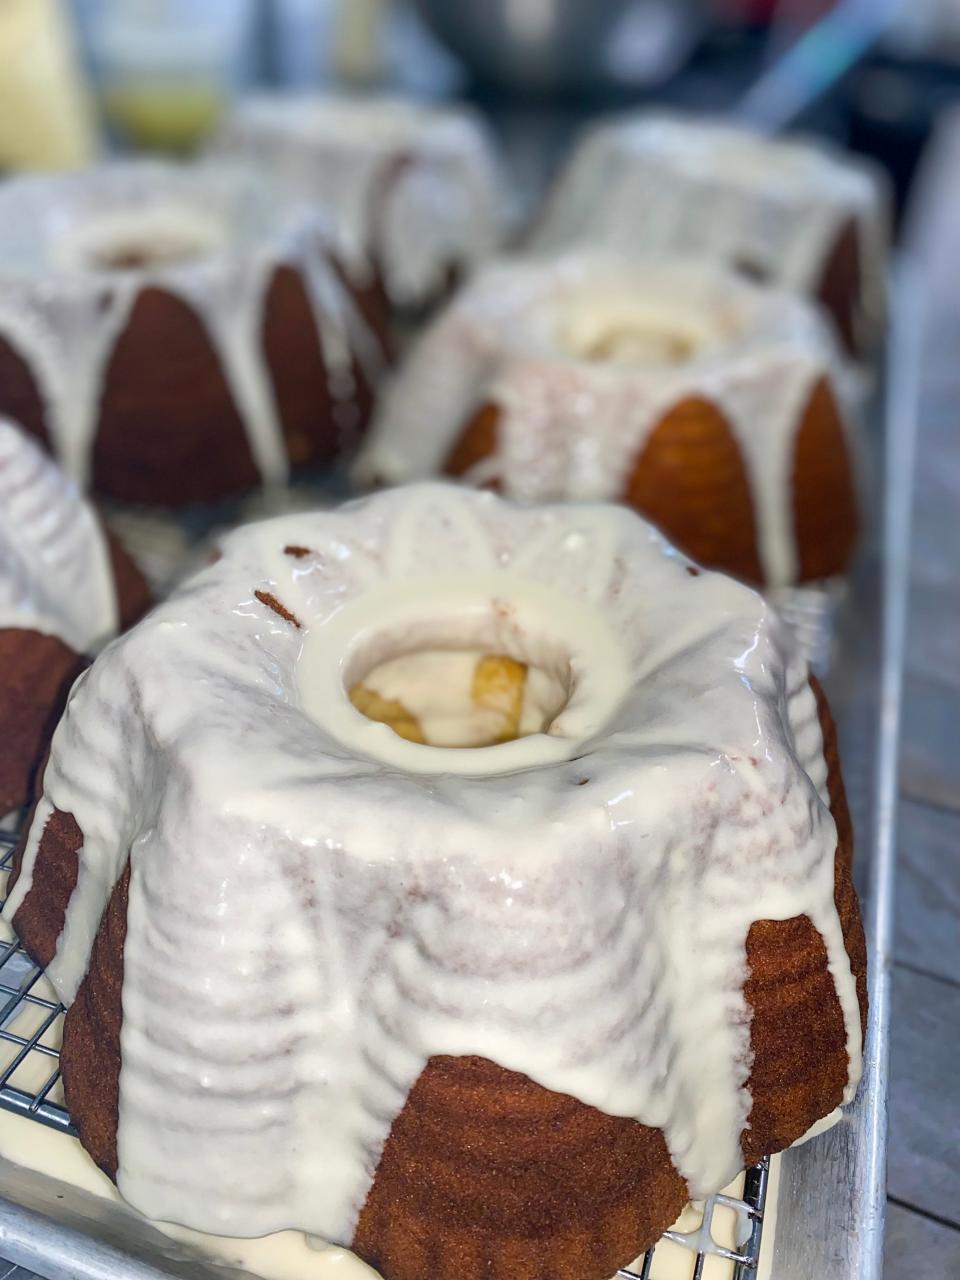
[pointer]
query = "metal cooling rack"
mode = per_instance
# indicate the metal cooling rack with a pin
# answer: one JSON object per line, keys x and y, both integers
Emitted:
{"x": 30, "y": 1018}
{"x": 29, "y": 1026}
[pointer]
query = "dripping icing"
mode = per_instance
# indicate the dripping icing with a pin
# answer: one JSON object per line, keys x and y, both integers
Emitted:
{"x": 55, "y": 574}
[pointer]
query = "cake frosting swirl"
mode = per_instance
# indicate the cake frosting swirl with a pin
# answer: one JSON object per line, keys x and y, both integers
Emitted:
{"x": 55, "y": 573}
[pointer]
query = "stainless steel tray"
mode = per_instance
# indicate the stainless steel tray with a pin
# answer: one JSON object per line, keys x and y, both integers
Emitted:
{"x": 831, "y": 1200}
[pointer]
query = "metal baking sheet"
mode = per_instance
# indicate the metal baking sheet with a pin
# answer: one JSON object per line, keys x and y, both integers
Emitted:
{"x": 830, "y": 1209}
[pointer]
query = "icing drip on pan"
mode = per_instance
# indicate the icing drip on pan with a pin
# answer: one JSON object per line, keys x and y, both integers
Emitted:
{"x": 313, "y": 916}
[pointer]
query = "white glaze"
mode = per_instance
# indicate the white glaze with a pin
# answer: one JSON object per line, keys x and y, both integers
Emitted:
{"x": 55, "y": 574}
{"x": 575, "y": 428}
{"x": 675, "y": 184}
{"x": 308, "y": 924}
{"x": 412, "y": 187}
{"x": 63, "y": 314}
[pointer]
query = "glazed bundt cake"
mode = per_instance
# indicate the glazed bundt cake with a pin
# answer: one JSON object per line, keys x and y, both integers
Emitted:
{"x": 176, "y": 335}
{"x": 65, "y": 588}
{"x": 792, "y": 212}
{"x": 414, "y": 188}
{"x": 715, "y": 407}
{"x": 468, "y": 1009}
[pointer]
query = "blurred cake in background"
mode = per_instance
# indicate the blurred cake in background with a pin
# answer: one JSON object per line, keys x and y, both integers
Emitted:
{"x": 66, "y": 587}
{"x": 177, "y": 335}
{"x": 414, "y": 189}
{"x": 789, "y": 212}
{"x": 712, "y": 405}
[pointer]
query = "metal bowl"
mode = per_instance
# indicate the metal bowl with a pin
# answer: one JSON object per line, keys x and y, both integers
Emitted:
{"x": 550, "y": 45}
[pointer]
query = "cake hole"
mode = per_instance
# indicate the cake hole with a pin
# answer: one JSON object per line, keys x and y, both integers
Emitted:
{"x": 133, "y": 254}
{"x": 625, "y": 332}
{"x": 461, "y": 698}
{"x": 152, "y": 237}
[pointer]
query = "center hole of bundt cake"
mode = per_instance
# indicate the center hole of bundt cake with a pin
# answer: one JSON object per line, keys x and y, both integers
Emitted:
{"x": 460, "y": 697}
{"x": 133, "y": 253}
{"x": 132, "y": 240}
{"x": 628, "y": 334}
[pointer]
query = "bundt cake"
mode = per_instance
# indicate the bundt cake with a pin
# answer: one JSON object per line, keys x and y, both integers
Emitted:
{"x": 65, "y": 588}
{"x": 468, "y": 1009}
{"x": 414, "y": 188}
{"x": 714, "y": 406}
{"x": 176, "y": 335}
{"x": 792, "y": 212}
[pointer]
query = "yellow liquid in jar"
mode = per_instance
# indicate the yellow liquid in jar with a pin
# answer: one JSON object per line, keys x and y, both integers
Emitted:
{"x": 167, "y": 117}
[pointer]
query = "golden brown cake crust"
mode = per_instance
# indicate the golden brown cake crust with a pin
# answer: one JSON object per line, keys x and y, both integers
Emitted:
{"x": 484, "y": 1171}
{"x": 300, "y": 378}
{"x": 169, "y": 431}
{"x": 55, "y": 878}
{"x": 480, "y": 440}
{"x": 824, "y": 491}
{"x": 487, "y": 1173}
{"x": 91, "y": 1033}
{"x": 36, "y": 674}
{"x": 690, "y": 480}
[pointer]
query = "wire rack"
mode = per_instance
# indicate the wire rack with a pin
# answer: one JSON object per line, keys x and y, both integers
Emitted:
{"x": 30, "y": 1026}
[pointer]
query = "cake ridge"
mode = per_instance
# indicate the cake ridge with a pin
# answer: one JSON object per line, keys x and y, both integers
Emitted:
{"x": 56, "y": 575}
